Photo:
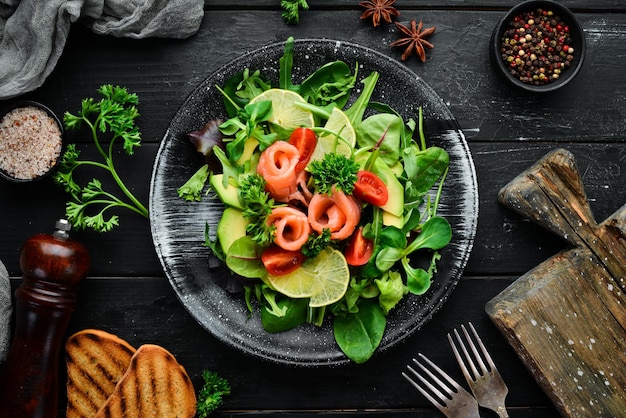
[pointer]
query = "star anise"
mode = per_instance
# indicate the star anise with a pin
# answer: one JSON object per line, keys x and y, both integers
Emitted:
{"x": 414, "y": 39}
{"x": 377, "y": 9}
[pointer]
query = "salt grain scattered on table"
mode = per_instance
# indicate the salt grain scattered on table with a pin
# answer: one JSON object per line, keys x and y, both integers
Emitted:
{"x": 30, "y": 143}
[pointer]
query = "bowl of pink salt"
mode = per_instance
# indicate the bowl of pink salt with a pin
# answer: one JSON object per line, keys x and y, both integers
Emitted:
{"x": 31, "y": 141}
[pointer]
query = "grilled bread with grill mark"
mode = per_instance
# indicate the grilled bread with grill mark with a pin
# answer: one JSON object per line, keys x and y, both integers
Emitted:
{"x": 96, "y": 360}
{"x": 154, "y": 385}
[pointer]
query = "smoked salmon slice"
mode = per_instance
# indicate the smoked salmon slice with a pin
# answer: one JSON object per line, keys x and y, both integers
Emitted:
{"x": 337, "y": 212}
{"x": 277, "y": 165}
{"x": 292, "y": 227}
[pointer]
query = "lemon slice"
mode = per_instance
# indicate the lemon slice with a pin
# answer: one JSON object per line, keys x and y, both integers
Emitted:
{"x": 327, "y": 143}
{"x": 324, "y": 279}
{"x": 284, "y": 112}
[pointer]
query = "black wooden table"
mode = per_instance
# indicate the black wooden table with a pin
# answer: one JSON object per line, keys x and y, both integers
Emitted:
{"x": 128, "y": 294}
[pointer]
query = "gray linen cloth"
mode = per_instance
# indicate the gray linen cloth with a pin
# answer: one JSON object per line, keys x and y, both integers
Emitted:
{"x": 33, "y": 32}
{"x": 5, "y": 312}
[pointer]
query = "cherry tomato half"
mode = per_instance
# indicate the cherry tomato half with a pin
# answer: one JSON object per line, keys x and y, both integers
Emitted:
{"x": 370, "y": 188}
{"x": 359, "y": 249}
{"x": 305, "y": 140}
{"x": 278, "y": 261}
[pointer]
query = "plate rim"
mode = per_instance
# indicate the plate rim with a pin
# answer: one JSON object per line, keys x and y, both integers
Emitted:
{"x": 468, "y": 241}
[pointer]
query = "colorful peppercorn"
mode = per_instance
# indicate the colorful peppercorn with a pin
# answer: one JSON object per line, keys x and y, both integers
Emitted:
{"x": 536, "y": 47}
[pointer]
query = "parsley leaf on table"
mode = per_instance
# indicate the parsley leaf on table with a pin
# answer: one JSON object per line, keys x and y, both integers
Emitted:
{"x": 212, "y": 394}
{"x": 291, "y": 9}
{"x": 114, "y": 117}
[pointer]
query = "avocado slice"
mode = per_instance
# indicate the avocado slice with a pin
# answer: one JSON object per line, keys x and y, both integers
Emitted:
{"x": 249, "y": 155}
{"x": 390, "y": 219}
{"x": 230, "y": 228}
{"x": 395, "y": 204}
{"x": 229, "y": 194}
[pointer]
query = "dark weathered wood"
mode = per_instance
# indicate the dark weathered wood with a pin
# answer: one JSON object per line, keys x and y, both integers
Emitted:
{"x": 567, "y": 317}
{"x": 146, "y": 310}
{"x": 508, "y": 131}
{"x": 407, "y": 5}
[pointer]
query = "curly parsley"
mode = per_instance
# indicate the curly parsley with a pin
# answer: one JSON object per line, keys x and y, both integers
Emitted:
{"x": 291, "y": 10}
{"x": 334, "y": 170}
{"x": 212, "y": 394}
{"x": 316, "y": 243}
{"x": 114, "y": 115}
{"x": 258, "y": 206}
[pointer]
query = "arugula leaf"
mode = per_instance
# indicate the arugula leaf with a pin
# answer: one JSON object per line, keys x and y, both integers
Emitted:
{"x": 114, "y": 115}
{"x": 212, "y": 394}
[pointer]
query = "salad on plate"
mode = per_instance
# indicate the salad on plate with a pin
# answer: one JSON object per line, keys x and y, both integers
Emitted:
{"x": 330, "y": 200}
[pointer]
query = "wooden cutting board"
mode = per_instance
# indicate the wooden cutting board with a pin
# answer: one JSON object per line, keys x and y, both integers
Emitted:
{"x": 566, "y": 318}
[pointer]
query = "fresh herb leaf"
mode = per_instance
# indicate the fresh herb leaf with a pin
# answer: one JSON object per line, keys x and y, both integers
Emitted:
{"x": 291, "y": 9}
{"x": 334, "y": 170}
{"x": 114, "y": 116}
{"x": 258, "y": 206}
{"x": 359, "y": 334}
{"x": 212, "y": 394}
{"x": 331, "y": 84}
{"x": 316, "y": 243}
{"x": 191, "y": 191}
{"x": 207, "y": 137}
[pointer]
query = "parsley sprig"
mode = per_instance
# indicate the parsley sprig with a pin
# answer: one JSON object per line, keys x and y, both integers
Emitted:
{"x": 291, "y": 10}
{"x": 212, "y": 394}
{"x": 258, "y": 206}
{"x": 114, "y": 115}
{"x": 334, "y": 170}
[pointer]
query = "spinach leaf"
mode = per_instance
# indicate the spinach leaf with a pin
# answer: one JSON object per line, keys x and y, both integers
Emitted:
{"x": 382, "y": 131}
{"x": 360, "y": 333}
{"x": 430, "y": 165}
{"x": 294, "y": 313}
{"x": 241, "y": 88}
{"x": 244, "y": 258}
{"x": 417, "y": 279}
{"x": 436, "y": 234}
{"x": 330, "y": 84}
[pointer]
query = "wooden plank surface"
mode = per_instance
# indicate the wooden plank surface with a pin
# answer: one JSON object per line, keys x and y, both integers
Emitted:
{"x": 127, "y": 293}
{"x": 566, "y": 318}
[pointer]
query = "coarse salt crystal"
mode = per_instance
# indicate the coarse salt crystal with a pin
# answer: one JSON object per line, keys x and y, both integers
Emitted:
{"x": 30, "y": 142}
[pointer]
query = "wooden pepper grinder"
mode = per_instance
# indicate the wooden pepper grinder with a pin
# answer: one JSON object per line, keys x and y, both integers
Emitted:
{"x": 52, "y": 266}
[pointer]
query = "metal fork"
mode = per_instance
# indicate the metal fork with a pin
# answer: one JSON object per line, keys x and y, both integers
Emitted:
{"x": 487, "y": 384}
{"x": 451, "y": 399}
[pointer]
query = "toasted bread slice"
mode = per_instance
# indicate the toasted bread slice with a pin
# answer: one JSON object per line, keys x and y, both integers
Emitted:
{"x": 154, "y": 385}
{"x": 96, "y": 361}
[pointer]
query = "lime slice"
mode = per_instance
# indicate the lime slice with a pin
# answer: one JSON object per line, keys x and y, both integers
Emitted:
{"x": 327, "y": 143}
{"x": 284, "y": 112}
{"x": 324, "y": 279}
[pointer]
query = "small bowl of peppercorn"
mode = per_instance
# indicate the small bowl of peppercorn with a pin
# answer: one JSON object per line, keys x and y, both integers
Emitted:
{"x": 538, "y": 46}
{"x": 31, "y": 141}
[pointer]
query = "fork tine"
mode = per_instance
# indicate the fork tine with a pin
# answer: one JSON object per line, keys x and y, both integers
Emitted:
{"x": 477, "y": 356}
{"x": 441, "y": 390}
{"x": 459, "y": 360}
{"x": 423, "y": 391}
{"x": 482, "y": 348}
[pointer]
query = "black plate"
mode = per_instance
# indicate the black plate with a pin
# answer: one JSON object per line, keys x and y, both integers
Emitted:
{"x": 178, "y": 226}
